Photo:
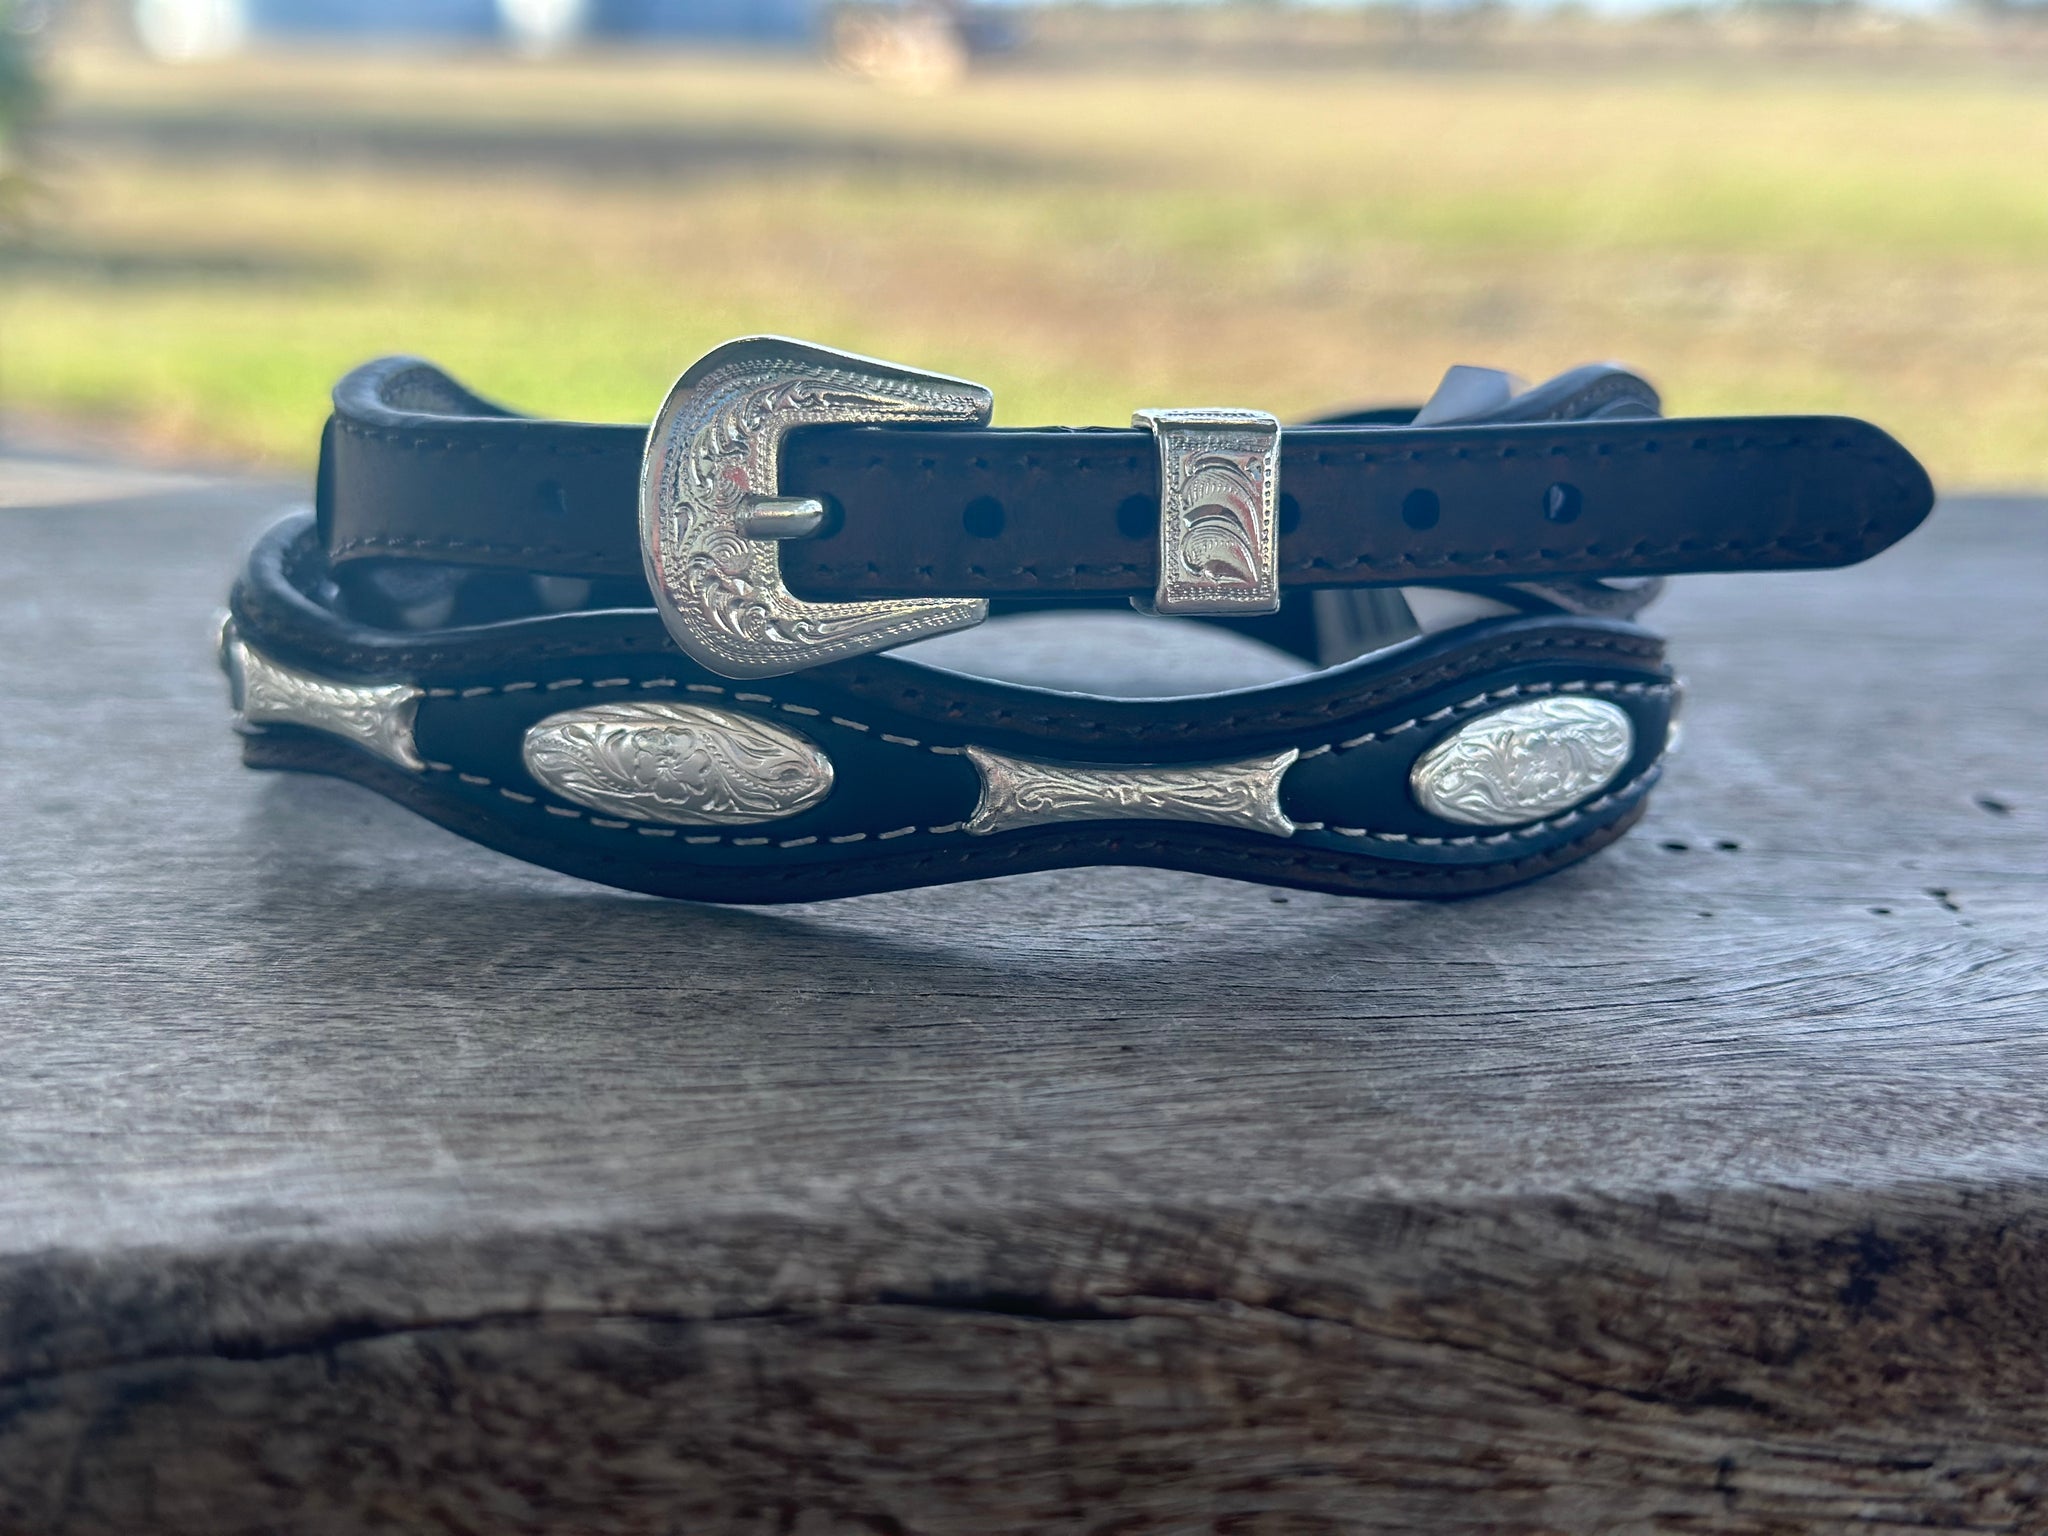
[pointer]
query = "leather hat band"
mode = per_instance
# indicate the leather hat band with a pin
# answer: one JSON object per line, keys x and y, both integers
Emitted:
{"x": 417, "y": 468}
{"x": 467, "y": 630}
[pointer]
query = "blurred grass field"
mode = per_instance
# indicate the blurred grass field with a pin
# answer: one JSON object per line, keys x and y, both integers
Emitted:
{"x": 219, "y": 242}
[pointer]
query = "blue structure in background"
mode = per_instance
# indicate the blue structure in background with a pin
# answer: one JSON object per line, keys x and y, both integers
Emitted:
{"x": 764, "y": 20}
{"x": 202, "y": 28}
{"x": 372, "y": 18}
{"x": 199, "y": 29}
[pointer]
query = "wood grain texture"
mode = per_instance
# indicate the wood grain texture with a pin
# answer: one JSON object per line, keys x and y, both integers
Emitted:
{"x": 353, "y": 1178}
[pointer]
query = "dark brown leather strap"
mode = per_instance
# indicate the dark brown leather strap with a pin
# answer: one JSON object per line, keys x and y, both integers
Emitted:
{"x": 909, "y": 744}
{"x": 416, "y": 468}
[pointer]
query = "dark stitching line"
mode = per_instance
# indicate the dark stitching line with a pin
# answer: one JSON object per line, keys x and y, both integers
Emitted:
{"x": 982, "y": 572}
{"x": 1483, "y": 562}
{"x": 1464, "y": 562}
{"x": 1321, "y": 860}
{"x": 908, "y": 698}
{"x": 1627, "y": 793}
{"x": 1468, "y": 561}
{"x": 1361, "y": 870}
{"x": 609, "y": 559}
{"x": 1373, "y": 698}
{"x": 412, "y": 441}
{"x": 1620, "y": 798}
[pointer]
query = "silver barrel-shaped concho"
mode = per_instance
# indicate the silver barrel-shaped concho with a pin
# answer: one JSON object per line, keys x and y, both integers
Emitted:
{"x": 680, "y": 763}
{"x": 1524, "y": 762}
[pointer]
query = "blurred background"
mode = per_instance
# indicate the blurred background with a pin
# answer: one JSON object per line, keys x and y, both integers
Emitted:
{"x": 211, "y": 208}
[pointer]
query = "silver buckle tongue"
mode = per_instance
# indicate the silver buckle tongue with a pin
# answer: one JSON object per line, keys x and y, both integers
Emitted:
{"x": 1219, "y": 485}
{"x": 711, "y": 514}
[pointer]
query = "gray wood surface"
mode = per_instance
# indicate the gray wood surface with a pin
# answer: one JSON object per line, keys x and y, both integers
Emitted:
{"x": 353, "y": 1178}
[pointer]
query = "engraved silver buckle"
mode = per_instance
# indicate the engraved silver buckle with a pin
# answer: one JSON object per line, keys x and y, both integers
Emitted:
{"x": 711, "y": 514}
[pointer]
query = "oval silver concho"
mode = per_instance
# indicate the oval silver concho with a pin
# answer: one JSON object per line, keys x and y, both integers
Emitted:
{"x": 1524, "y": 762}
{"x": 679, "y": 763}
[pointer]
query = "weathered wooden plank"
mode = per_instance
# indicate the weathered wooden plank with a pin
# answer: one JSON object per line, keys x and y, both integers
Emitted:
{"x": 352, "y": 1177}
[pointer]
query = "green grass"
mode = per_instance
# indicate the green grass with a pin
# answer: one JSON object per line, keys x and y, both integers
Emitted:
{"x": 1084, "y": 242}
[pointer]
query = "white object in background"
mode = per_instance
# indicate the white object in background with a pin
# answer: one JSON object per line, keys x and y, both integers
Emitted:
{"x": 186, "y": 31}
{"x": 538, "y": 28}
{"x": 1467, "y": 392}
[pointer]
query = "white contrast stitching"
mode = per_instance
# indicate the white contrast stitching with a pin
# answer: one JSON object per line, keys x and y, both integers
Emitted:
{"x": 1633, "y": 787}
{"x": 1498, "y": 695}
{"x": 1534, "y": 829}
{"x": 1477, "y": 701}
{"x": 669, "y": 682}
{"x": 619, "y": 826}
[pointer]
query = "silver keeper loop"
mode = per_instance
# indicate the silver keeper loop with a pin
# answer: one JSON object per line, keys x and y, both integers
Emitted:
{"x": 1219, "y": 486}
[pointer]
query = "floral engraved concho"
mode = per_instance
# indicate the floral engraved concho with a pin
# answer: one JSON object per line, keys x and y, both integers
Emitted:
{"x": 1526, "y": 761}
{"x": 678, "y": 763}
